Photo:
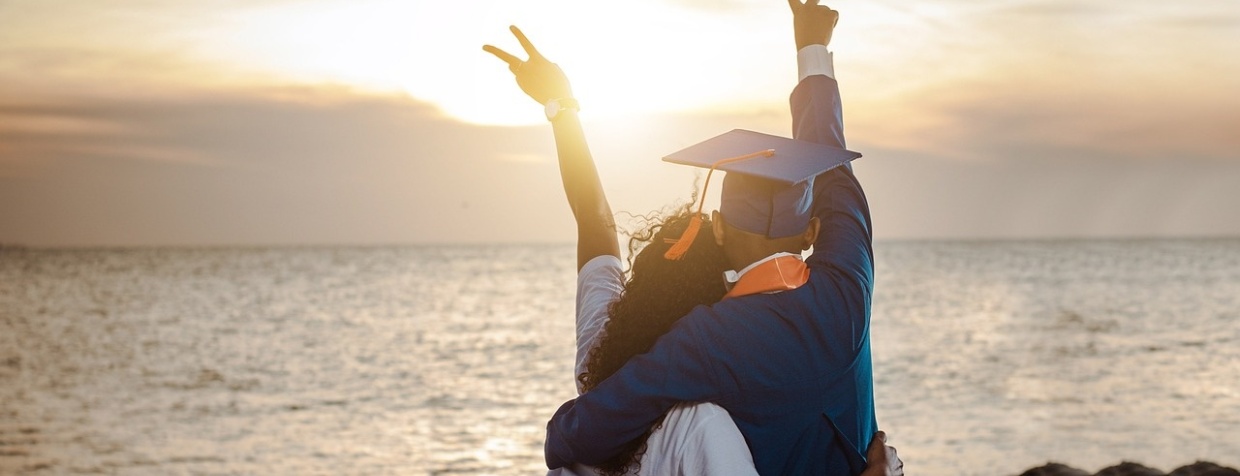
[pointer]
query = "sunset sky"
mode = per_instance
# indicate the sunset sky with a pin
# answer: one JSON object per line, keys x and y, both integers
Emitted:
{"x": 258, "y": 122}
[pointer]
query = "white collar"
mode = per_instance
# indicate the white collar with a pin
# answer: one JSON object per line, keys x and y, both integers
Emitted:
{"x": 732, "y": 277}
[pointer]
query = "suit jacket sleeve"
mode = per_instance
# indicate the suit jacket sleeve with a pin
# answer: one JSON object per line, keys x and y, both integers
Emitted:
{"x": 843, "y": 249}
{"x": 593, "y": 427}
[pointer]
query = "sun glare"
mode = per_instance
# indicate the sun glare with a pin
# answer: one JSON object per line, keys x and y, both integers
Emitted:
{"x": 617, "y": 71}
{"x": 362, "y": 45}
{"x": 642, "y": 59}
{"x": 647, "y": 58}
{"x": 681, "y": 59}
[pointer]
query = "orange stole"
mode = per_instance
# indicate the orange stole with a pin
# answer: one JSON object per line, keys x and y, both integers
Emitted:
{"x": 780, "y": 274}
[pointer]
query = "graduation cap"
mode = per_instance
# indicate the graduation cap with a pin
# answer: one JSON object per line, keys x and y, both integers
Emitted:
{"x": 769, "y": 190}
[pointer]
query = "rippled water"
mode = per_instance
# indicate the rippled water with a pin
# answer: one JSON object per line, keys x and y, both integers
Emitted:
{"x": 995, "y": 357}
{"x": 990, "y": 357}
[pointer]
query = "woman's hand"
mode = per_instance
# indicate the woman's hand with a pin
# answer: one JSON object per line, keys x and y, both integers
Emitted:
{"x": 539, "y": 78}
{"x": 883, "y": 460}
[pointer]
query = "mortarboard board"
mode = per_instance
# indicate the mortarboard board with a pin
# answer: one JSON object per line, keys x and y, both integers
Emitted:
{"x": 769, "y": 189}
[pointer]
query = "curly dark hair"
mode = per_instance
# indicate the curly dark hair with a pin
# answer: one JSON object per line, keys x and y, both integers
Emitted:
{"x": 657, "y": 293}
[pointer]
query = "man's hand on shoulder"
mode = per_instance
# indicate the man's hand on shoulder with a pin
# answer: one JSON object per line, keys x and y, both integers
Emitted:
{"x": 812, "y": 23}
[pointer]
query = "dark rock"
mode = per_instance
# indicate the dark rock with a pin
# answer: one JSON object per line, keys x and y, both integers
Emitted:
{"x": 1129, "y": 468}
{"x": 1204, "y": 468}
{"x": 1054, "y": 469}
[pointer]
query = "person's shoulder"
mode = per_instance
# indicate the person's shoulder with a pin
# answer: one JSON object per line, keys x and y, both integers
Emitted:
{"x": 720, "y": 316}
{"x": 601, "y": 265}
{"x": 697, "y": 419}
{"x": 697, "y": 321}
{"x": 702, "y": 438}
{"x": 848, "y": 266}
{"x": 600, "y": 279}
{"x": 735, "y": 322}
{"x": 701, "y": 413}
{"x": 707, "y": 328}
{"x": 750, "y": 304}
{"x": 702, "y": 418}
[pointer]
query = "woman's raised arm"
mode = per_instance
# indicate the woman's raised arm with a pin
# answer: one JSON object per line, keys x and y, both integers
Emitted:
{"x": 544, "y": 82}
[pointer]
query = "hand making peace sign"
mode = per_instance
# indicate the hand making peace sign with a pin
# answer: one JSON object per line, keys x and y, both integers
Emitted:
{"x": 539, "y": 78}
{"x": 812, "y": 23}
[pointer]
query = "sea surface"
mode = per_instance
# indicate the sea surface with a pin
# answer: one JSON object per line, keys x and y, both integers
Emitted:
{"x": 990, "y": 357}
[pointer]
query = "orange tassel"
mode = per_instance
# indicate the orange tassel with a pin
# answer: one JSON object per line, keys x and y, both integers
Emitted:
{"x": 678, "y": 250}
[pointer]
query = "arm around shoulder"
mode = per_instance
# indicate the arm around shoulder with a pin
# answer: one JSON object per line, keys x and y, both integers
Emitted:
{"x": 596, "y": 425}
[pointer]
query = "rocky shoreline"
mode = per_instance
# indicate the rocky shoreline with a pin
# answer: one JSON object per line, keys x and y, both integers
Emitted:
{"x": 1127, "y": 468}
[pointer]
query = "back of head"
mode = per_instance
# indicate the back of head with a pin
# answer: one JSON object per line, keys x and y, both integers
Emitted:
{"x": 658, "y": 292}
{"x": 759, "y": 217}
{"x": 768, "y": 191}
{"x": 765, "y": 206}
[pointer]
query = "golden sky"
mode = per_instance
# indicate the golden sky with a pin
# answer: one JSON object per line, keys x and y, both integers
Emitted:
{"x": 138, "y": 122}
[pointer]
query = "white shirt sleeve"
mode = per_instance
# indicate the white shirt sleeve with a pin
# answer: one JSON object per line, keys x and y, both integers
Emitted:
{"x": 598, "y": 285}
{"x": 697, "y": 439}
{"x": 815, "y": 59}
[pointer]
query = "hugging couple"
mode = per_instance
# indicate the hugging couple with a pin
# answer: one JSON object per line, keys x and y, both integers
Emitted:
{"x": 723, "y": 351}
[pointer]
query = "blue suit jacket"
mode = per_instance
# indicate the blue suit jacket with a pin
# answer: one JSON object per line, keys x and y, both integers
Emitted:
{"x": 793, "y": 369}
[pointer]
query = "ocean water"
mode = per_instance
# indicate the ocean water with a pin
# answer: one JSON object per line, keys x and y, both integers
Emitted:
{"x": 990, "y": 357}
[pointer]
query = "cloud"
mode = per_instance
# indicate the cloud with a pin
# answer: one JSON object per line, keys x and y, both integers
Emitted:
{"x": 999, "y": 121}
{"x": 254, "y": 168}
{"x": 1163, "y": 92}
{"x": 922, "y": 196}
{"x": 1017, "y": 120}
{"x": 308, "y": 166}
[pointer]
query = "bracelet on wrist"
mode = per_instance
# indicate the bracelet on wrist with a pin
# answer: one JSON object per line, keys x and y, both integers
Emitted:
{"x": 554, "y": 107}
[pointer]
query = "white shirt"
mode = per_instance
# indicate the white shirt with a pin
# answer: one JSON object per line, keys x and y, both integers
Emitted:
{"x": 695, "y": 439}
{"x": 815, "y": 59}
{"x": 731, "y": 276}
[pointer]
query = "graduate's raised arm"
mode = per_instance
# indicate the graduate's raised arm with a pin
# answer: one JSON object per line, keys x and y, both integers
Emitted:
{"x": 545, "y": 83}
{"x": 843, "y": 243}
{"x": 843, "y": 246}
{"x": 816, "y": 112}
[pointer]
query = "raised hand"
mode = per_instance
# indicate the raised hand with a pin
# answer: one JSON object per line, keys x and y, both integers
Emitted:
{"x": 812, "y": 23}
{"x": 539, "y": 78}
